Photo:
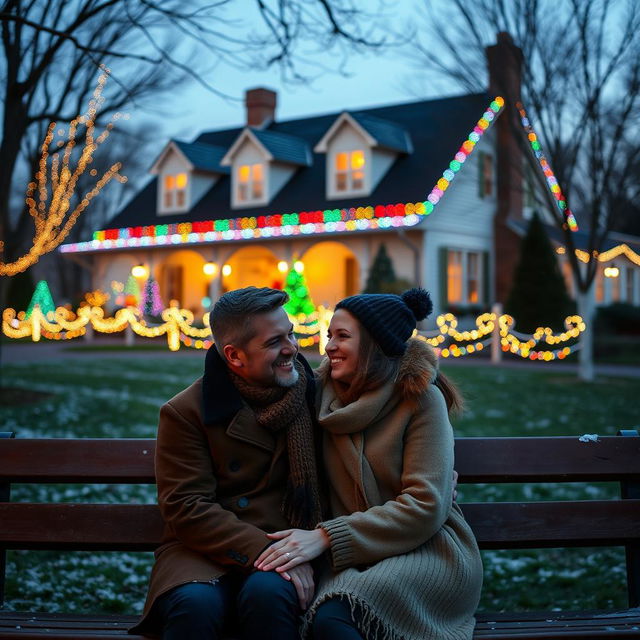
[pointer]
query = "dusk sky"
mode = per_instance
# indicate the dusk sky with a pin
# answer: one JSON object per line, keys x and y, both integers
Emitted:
{"x": 371, "y": 79}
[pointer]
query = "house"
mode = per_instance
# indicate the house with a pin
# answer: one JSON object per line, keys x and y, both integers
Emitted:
{"x": 439, "y": 182}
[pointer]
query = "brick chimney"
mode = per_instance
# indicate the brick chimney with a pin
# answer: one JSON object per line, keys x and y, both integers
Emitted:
{"x": 504, "y": 61}
{"x": 261, "y": 106}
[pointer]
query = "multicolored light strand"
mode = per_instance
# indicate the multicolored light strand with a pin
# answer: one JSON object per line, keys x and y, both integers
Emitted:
{"x": 463, "y": 153}
{"x": 552, "y": 181}
{"x": 360, "y": 218}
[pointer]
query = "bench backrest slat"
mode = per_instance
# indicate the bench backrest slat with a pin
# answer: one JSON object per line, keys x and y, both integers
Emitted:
{"x": 477, "y": 460}
{"x": 109, "y": 460}
{"x": 502, "y": 525}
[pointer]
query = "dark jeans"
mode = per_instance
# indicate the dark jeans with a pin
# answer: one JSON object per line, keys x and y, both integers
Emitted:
{"x": 261, "y": 606}
{"x": 333, "y": 621}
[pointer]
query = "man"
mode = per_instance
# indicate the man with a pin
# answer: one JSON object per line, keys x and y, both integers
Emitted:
{"x": 235, "y": 460}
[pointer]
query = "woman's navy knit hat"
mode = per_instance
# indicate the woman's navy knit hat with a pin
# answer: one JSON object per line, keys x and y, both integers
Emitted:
{"x": 390, "y": 319}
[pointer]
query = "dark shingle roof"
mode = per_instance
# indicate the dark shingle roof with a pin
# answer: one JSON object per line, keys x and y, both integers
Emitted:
{"x": 284, "y": 147}
{"x": 437, "y": 129}
{"x": 205, "y": 157}
{"x": 389, "y": 135}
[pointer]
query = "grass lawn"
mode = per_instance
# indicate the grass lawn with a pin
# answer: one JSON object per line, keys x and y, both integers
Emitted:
{"x": 121, "y": 398}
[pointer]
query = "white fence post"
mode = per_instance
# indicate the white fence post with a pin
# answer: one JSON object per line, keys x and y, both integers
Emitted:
{"x": 496, "y": 347}
{"x": 129, "y": 336}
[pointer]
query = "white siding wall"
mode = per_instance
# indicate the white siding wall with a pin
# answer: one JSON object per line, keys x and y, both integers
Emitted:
{"x": 461, "y": 220}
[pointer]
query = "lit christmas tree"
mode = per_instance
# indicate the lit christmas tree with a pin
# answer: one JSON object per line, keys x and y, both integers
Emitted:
{"x": 151, "y": 304}
{"x": 131, "y": 292}
{"x": 42, "y": 297}
{"x": 296, "y": 286}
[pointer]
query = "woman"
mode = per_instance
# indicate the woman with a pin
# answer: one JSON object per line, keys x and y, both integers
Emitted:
{"x": 404, "y": 563}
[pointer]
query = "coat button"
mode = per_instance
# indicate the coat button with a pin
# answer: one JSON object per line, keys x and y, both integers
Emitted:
{"x": 234, "y": 465}
{"x": 243, "y": 502}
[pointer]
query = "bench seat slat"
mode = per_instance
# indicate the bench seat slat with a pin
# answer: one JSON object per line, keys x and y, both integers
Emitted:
{"x": 502, "y": 525}
{"x": 490, "y": 626}
{"x": 477, "y": 460}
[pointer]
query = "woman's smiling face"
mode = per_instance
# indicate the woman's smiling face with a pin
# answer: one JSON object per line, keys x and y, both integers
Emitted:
{"x": 343, "y": 347}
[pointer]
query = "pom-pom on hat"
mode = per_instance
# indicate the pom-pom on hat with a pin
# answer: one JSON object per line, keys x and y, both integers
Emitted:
{"x": 390, "y": 319}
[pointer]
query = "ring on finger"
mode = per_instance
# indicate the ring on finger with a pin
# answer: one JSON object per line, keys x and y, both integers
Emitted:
{"x": 287, "y": 555}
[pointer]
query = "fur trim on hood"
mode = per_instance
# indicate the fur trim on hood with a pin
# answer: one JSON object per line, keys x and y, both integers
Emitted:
{"x": 418, "y": 368}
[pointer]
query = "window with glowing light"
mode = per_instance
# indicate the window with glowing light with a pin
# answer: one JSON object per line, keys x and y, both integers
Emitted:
{"x": 250, "y": 182}
{"x": 464, "y": 277}
{"x": 349, "y": 171}
{"x": 454, "y": 277}
{"x": 175, "y": 191}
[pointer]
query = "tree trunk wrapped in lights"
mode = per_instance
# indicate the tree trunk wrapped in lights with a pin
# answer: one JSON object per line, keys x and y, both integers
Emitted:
{"x": 50, "y": 196}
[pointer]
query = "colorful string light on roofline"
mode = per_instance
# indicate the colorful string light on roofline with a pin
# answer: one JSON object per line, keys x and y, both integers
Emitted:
{"x": 463, "y": 153}
{"x": 552, "y": 181}
{"x": 360, "y": 218}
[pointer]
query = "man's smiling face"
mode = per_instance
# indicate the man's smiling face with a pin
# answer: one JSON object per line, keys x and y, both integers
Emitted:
{"x": 267, "y": 360}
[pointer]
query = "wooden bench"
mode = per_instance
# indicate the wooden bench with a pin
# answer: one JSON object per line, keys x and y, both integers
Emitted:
{"x": 478, "y": 460}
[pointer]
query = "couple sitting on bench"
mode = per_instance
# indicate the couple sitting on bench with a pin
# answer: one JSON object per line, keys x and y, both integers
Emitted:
{"x": 244, "y": 456}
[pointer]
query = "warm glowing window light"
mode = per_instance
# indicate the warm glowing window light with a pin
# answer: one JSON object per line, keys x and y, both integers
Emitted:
{"x": 250, "y": 182}
{"x": 349, "y": 170}
{"x": 175, "y": 190}
{"x": 454, "y": 277}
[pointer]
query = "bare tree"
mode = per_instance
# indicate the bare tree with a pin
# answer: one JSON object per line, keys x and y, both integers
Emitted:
{"x": 53, "y": 50}
{"x": 581, "y": 90}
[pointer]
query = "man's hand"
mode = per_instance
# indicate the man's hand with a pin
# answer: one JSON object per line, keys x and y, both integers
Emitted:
{"x": 292, "y": 548}
{"x": 302, "y": 579}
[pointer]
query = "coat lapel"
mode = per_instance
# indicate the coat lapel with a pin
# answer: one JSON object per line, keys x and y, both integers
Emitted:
{"x": 244, "y": 427}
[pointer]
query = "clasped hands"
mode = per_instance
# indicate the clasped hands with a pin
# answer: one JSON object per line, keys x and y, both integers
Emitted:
{"x": 290, "y": 555}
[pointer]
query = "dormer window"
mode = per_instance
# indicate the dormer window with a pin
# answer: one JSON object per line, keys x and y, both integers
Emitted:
{"x": 349, "y": 171}
{"x": 250, "y": 182}
{"x": 360, "y": 149}
{"x": 175, "y": 191}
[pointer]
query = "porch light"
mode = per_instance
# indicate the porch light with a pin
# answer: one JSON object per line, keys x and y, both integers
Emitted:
{"x": 611, "y": 272}
{"x": 210, "y": 269}
{"x": 283, "y": 266}
{"x": 226, "y": 270}
{"x": 140, "y": 271}
{"x": 298, "y": 265}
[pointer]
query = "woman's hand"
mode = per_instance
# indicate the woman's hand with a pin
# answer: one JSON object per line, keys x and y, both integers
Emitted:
{"x": 293, "y": 547}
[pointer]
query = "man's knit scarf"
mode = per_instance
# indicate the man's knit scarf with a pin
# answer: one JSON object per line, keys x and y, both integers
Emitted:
{"x": 278, "y": 408}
